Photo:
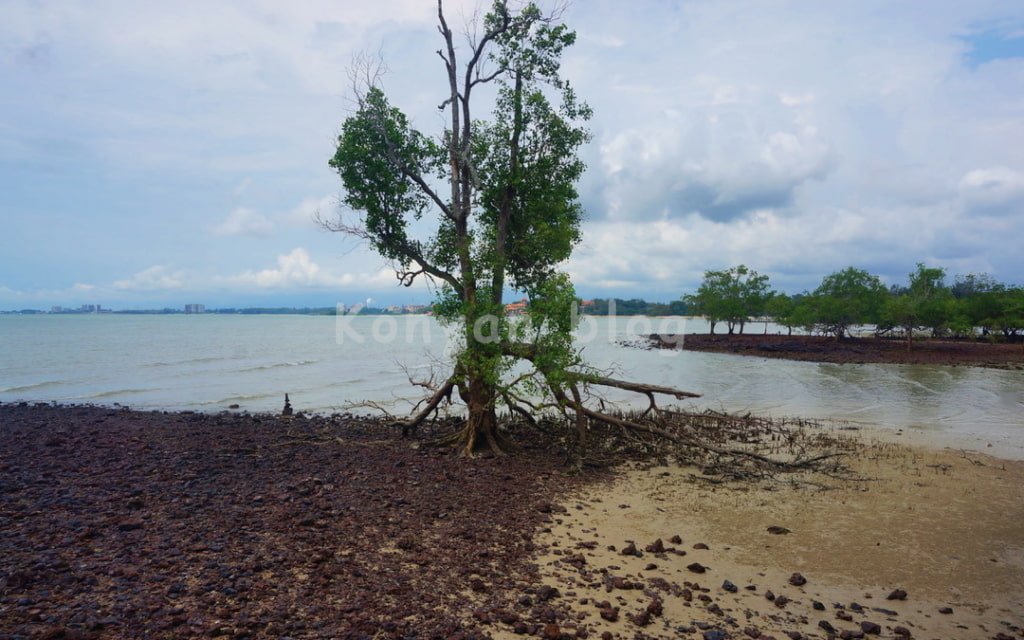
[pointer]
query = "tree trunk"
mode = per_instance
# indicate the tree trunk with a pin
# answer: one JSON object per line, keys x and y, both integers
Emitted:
{"x": 481, "y": 434}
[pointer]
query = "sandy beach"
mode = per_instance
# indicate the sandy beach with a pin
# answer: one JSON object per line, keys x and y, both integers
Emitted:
{"x": 929, "y": 544}
{"x": 122, "y": 524}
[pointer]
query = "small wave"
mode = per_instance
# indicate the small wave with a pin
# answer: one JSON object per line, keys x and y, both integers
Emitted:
{"x": 110, "y": 394}
{"x": 183, "y": 363}
{"x": 235, "y": 400}
{"x": 278, "y": 365}
{"x": 30, "y": 387}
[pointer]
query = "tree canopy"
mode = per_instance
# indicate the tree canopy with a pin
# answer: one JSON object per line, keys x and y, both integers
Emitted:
{"x": 846, "y": 298}
{"x": 974, "y": 305}
{"x": 731, "y": 295}
{"x": 500, "y": 202}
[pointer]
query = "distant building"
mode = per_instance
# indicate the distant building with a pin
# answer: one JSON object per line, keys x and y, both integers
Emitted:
{"x": 195, "y": 308}
{"x": 90, "y": 308}
{"x": 516, "y": 308}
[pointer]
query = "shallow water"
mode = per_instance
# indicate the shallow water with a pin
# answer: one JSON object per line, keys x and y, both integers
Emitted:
{"x": 208, "y": 362}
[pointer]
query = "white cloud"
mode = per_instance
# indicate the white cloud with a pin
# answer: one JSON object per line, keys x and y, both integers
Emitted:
{"x": 305, "y": 214}
{"x": 155, "y": 278}
{"x": 297, "y": 270}
{"x": 791, "y": 100}
{"x": 244, "y": 222}
{"x": 723, "y": 165}
{"x": 995, "y": 190}
{"x": 293, "y": 269}
{"x": 8, "y": 294}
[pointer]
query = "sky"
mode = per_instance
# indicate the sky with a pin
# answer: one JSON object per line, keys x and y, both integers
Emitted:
{"x": 157, "y": 154}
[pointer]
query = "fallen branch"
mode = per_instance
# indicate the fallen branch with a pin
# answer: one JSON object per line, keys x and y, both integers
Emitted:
{"x": 444, "y": 392}
{"x": 639, "y": 387}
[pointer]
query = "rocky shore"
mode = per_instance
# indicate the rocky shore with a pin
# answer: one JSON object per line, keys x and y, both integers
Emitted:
{"x": 122, "y": 524}
{"x": 970, "y": 353}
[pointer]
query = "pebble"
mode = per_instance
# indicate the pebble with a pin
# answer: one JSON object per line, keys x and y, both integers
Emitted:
{"x": 656, "y": 607}
{"x": 610, "y": 614}
{"x": 871, "y": 628}
{"x": 897, "y": 594}
{"x": 546, "y": 593}
{"x": 656, "y": 547}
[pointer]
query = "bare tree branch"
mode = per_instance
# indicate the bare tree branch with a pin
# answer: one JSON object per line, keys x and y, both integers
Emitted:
{"x": 410, "y": 425}
{"x": 410, "y": 250}
{"x": 639, "y": 387}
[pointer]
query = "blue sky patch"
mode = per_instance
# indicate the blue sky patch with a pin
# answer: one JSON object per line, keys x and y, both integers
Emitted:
{"x": 994, "y": 44}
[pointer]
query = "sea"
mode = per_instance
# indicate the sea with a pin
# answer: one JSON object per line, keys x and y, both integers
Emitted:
{"x": 368, "y": 364}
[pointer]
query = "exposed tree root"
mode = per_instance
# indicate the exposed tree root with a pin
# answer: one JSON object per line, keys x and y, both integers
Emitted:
{"x": 724, "y": 445}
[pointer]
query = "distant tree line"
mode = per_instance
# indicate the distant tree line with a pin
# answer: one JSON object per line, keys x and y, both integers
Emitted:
{"x": 974, "y": 305}
{"x": 634, "y": 307}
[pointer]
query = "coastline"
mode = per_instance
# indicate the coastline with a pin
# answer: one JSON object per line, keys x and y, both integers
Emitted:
{"x": 119, "y": 524}
{"x": 969, "y": 353}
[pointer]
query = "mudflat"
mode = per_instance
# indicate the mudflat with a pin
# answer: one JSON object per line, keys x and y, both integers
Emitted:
{"x": 972, "y": 353}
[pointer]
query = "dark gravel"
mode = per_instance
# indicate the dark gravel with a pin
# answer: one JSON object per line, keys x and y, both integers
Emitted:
{"x": 124, "y": 524}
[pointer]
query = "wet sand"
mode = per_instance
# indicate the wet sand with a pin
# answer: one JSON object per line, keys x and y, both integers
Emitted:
{"x": 943, "y": 526}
